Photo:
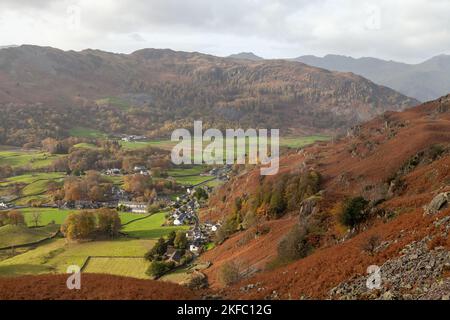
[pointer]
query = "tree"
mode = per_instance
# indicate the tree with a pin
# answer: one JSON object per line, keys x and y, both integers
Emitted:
{"x": 3, "y": 218}
{"x": 180, "y": 241}
{"x": 229, "y": 273}
{"x": 108, "y": 221}
{"x": 201, "y": 193}
{"x": 250, "y": 220}
{"x": 277, "y": 204}
{"x": 159, "y": 268}
{"x": 353, "y": 212}
{"x": 137, "y": 183}
{"x": 79, "y": 225}
{"x": 171, "y": 238}
{"x": 15, "y": 217}
{"x": 158, "y": 250}
{"x": 36, "y": 218}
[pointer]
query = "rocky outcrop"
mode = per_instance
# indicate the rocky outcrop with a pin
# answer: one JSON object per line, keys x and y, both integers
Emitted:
{"x": 438, "y": 203}
{"x": 416, "y": 274}
{"x": 309, "y": 206}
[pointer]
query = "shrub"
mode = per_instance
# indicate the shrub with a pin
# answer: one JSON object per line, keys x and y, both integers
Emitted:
{"x": 353, "y": 212}
{"x": 229, "y": 273}
{"x": 371, "y": 244}
{"x": 295, "y": 245}
{"x": 159, "y": 268}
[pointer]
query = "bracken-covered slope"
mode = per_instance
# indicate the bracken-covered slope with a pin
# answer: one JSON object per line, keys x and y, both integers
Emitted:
{"x": 398, "y": 161}
{"x": 156, "y": 90}
{"x": 93, "y": 287}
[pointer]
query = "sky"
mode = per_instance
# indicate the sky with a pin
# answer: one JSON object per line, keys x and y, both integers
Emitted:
{"x": 402, "y": 30}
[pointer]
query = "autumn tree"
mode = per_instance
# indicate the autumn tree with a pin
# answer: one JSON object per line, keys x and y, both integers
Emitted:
{"x": 137, "y": 184}
{"x": 108, "y": 221}
{"x": 15, "y": 217}
{"x": 79, "y": 225}
{"x": 3, "y": 218}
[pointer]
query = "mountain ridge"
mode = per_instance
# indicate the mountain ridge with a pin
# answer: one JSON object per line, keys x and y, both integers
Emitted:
{"x": 182, "y": 87}
{"x": 424, "y": 81}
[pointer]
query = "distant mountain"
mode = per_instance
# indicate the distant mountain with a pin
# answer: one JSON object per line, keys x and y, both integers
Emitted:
{"x": 245, "y": 56}
{"x": 46, "y": 91}
{"x": 424, "y": 81}
{"x": 10, "y": 46}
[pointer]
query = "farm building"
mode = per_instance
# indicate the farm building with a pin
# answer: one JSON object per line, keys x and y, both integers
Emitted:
{"x": 135, "y": 207}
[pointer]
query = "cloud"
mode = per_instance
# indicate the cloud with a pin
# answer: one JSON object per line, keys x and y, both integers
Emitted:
{"x": 408, "y": 30}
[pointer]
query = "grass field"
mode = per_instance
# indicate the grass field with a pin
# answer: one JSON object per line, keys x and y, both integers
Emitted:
{"x": 20, "y": 158}
{"x": 47, "y": 215}
{"x": 177, "y": 276}
{"x": 150, "y": 228}
{"x": 85, "y": 145}
{"x": 134, "y": 145}
{"x": 11, "y": 235}
{"x": 83, "y": 132}
{"x": 127, "y": 267}
{"x": 194, "y": 170}
{"x": 298, "y": 142}
{"x": 192, "y": 180}
{"x": 56, "y": 255}
{"x": 115, "y": 102}
{"x": 59, "y": 215}
{"x": 36, "y": 185}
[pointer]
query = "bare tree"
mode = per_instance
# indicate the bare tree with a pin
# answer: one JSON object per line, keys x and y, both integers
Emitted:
{"x": 36, "y": 218}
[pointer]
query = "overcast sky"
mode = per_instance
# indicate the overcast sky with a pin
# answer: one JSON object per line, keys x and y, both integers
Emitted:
{"x": 404, "y": 30}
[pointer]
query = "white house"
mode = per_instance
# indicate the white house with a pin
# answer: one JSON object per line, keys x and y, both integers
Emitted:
{"x": 214, "y": 228}
{"x": 177, "y": 222}
{"x": 3, "y": 205}
{"x": 193, "y": 248}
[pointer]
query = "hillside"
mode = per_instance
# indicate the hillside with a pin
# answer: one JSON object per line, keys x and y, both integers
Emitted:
{"x": 399, "y": 163}
{"x": 46, "y": 92}
{"x": 93, "y": 287}
{"x": 11, "y": 235}
{"x": 424, "y": 81}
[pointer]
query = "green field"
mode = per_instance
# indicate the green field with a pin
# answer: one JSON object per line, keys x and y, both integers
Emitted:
{"x": 58, "y": 216}
{"x": 11, "y": 235}
{"x": 150, "y": 228}
{"x": 127, "y": 267}
{"x": 114, "y": 102}
{"x": 134, "y": 145}
{"x": 56, "y": 255}
{"x": 85, "y": 145}
{"x": 47, "y": 215}
{"x": 192, "y": 180}
{"x": 288, "y": 141}
{"x": 299, "y": 142}
{"x": 194, "y": 170}
{"x": 21, "y": 158}
{"x": 36, "y": 185}
{"x": 83, "y": 132}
